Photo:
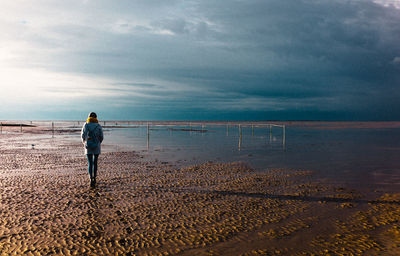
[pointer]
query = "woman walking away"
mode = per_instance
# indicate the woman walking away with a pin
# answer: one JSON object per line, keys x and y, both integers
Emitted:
{"x": 92, "y": 136}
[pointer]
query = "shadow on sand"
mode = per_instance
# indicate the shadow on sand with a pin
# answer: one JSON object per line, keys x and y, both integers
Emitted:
{"x": 303, "y": 198}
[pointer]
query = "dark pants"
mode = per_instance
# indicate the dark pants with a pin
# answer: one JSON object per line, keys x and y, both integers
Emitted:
{"x": 92, "y": 162}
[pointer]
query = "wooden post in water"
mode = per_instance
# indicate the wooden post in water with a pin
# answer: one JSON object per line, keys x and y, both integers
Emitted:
{"x": 240, "y": 137}
{"x": 270, "y": 133}
{"x": 52, "y": 126}
{"x": 284, "y": 135}
{"x": 20, "y": 126}
{"x": 1, "y": 127}
{"x": 148, "y": 136}
{"x": 252, "y": 130}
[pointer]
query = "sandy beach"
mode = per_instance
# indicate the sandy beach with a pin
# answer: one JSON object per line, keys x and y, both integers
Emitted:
{"x": 143, "y": 207}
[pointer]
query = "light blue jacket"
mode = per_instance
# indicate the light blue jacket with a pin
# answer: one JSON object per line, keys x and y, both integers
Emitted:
{"x": 98, "y": 133}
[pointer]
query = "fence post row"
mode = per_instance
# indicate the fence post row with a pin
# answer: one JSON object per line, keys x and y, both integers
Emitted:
{"x": 191, "y": 125}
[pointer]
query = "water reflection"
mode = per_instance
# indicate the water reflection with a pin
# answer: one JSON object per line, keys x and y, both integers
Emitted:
{"x": 351, "y": 154}
{"x": 212, "y": 133}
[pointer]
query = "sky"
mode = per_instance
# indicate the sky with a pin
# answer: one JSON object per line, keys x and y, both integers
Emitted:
{"x": 200, "y": 59}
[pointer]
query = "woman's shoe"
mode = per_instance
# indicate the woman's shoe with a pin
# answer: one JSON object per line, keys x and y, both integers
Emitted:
{"x": 92, "y": 183}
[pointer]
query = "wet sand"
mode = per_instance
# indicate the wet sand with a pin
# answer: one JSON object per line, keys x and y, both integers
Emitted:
{"x": 151, "y": 208}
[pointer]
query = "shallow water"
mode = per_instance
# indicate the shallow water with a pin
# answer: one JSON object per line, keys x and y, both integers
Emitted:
{"x": 357, "y": 156}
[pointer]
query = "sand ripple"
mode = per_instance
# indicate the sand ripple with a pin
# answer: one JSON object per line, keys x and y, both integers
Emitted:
{"x": 140, "y": 208}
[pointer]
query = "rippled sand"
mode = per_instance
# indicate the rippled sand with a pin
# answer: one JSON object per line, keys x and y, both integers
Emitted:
{"x": 149, "y": 208}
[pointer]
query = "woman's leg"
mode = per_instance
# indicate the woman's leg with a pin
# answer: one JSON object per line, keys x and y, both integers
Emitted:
{"x": 90, "y": 165}
{"x": 96, "y": 157}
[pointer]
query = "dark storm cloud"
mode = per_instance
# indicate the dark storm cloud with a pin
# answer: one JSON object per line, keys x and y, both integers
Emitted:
{"x": 319, "y": 59}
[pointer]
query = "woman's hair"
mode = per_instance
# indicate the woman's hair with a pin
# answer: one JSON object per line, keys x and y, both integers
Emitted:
{"x": 92, "y": 114}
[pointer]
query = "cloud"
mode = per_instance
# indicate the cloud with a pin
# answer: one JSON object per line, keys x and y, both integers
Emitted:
{"x": 208, "y": 56}
{"x": 389, "y": 3}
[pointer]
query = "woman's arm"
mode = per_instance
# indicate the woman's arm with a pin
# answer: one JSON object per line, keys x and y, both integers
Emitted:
{"x": 84, "y": 133}
{"x": 101, "y": 136}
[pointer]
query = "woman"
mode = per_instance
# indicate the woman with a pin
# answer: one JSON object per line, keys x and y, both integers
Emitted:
{"x": 92, "y": 136}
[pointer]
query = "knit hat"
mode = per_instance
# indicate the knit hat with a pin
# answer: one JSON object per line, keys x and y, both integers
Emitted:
{"x": 92, "y": 114}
